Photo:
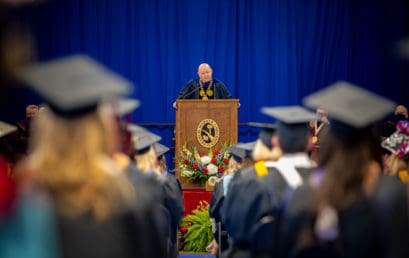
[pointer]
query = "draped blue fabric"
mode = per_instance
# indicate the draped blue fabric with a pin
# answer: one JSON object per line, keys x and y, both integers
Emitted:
{"x": 267, "y": 52}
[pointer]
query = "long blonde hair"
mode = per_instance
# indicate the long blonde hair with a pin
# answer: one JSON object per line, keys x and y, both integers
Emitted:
{"x": 262, "y": 152}
{"x": 148, "y": 162}
{"x": 70, "y": 158}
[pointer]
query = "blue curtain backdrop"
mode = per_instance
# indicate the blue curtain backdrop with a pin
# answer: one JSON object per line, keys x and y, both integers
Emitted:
{"x": 267, "y": 52}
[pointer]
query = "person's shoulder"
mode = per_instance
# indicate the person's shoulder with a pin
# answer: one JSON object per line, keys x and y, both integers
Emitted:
{"x": 192, "y": 82}
{"x": 218, "y": 82}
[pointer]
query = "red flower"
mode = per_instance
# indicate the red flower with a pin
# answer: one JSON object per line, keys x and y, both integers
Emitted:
{"x": 200, "y": 154}
{"x": 183, "y": 229}
{"x": 226, "y": 161}
{"x": 216, "y": 152}
{"x": 221, "y": 169}
{"x": 205, "y": 171}
{"x": 214, "y": 160}
{"x": 195, "y": 166}
{"x": 186, "y": 161}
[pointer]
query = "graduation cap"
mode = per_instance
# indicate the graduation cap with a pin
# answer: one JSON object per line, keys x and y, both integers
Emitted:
{"x": 125, "y": 106}
{"x": 292, "y": 126}
{"x": 142, "y": 139}
{"x": 73, "y": 85}
{"x": 161, "y": 149}
{"x": 6, "y": 128}
{"x": 266, "y": 132}
{"x": 353, "y": 109}
{"x": 240, "y": 151}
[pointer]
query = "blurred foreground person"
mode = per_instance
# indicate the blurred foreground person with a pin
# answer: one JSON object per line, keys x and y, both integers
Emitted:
{"x": 26, "y": 217}
{"x": 341, "y": 219}
{"x": 391, "y": 193}
{"x": 98, "y": 212}
{"x": 240, "y": 159}
{"x": 162, "y": 186}
{"x": 255, "y": 200}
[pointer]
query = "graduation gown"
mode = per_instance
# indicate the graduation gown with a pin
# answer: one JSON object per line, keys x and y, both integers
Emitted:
{"x": 360, "y": 232}
{"x": 252, "y": 197}
{"x": 136, "y": 231}
{"x": 391, "y": 198}
{"x": 215, "y": 207}
{"x": 191, "y": 90}
{"x": 166, "y": 194}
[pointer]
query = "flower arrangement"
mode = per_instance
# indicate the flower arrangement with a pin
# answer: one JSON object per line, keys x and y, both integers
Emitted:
{"x": 196, "y": 229}
{"x": 198, "y": 167}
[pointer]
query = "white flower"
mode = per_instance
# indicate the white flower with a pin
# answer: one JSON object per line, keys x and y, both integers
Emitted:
{"x": 187, "y": 173}
{"x": 212, "y": 169}
{"x": 205, "y": 160}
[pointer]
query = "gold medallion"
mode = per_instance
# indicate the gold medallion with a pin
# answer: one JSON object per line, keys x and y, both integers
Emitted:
{"x": 207, "y": 133}
{"x": 201, "y": 93}
{"x": 314, "y": 139}
{"x": 210, "y": 92}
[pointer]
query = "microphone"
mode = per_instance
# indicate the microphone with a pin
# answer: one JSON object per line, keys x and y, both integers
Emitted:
{"x": 184, "y": 96}
{"x": 190, "y": 92}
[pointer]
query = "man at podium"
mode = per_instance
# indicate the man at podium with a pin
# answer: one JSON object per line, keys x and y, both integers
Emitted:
{"x": 204, "y": 87}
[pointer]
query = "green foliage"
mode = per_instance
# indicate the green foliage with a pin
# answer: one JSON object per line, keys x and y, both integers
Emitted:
{"x": 199, "y": 229}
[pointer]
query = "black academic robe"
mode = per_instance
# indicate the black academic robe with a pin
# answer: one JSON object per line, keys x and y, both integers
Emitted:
{"x": 215, "y": 213}
{"x": 191, "y": 90}
{"x": 172, "y": 201}
{"x": 166, "y": 194}
{"x": 360, "y": 234}
{"x": 131, "y": 232}
{"x": 249, "y": 199}
{"x": 391, "y": 198}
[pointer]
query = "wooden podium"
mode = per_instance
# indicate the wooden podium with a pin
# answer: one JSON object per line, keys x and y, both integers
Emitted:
{"x": 205, "y": 124}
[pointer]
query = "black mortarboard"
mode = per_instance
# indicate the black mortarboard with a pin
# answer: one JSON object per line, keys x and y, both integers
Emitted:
{"x": 353, "y": 109}
{"x": 241, "y": 150}
{"x": 290, "y": 115}
{"x": 160, "y": 149}
{"x": 73, "y": 85}
{"x": 6, "y": 128}
{"x": 292, "y": 126}
{"x": 142, "y": 139}
{"x": 266, "y": 132}
{"x": 125, "y": 106}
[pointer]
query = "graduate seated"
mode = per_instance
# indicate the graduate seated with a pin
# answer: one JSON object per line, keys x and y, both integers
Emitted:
{"x": 260, "y": 192}
{"x": 98, "y": 212}
{"x": 146, "y": 173}
{"x": 334, "y": 215}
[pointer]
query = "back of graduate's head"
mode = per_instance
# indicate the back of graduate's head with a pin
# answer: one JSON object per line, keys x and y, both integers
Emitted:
{"x": 292, "y": 127}
{"x": 144, "y": 145}
{"x": 73, "y": 138}
{"x": 240, "y": 156}
{"x": 293, "y": 138}
{"x": 263, "y": 148}
{"x": 77, "y": 90}
{"x": 350, "y": 152}
{"x": 354, "y": 114}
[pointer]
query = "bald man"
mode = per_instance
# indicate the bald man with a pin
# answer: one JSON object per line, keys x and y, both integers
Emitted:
{"x": 204, "y": 87}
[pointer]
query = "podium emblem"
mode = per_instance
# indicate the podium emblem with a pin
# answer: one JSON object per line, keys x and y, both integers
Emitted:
{"x": 207, "y": 133}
